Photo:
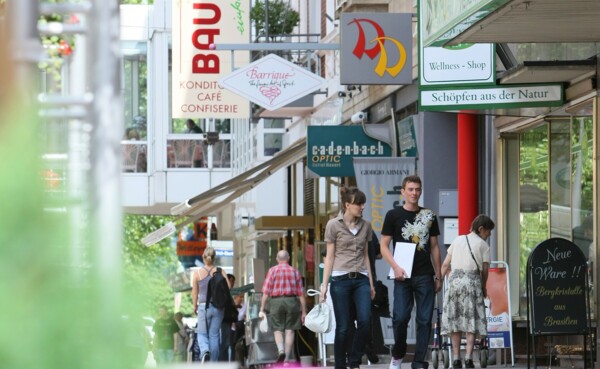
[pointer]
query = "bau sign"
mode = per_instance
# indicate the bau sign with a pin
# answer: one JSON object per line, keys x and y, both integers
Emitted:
{"x": 272, "y": 82}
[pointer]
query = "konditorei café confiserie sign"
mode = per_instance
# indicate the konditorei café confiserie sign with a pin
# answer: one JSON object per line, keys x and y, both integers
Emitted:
{"x": 197, "y": 67}
{"x": 330, "y": 149}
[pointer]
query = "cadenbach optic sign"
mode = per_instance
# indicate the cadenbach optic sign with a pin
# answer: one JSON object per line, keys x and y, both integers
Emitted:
{"x": 330, "y": 149}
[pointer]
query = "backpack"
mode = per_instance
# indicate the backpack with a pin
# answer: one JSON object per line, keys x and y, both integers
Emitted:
{"x": 218, "y": 290}
{"x": 381, "y": 302}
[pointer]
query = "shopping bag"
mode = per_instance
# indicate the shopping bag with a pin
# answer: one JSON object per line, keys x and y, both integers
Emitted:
{"x": 263, "y": 326}
{"x": 318, "y": 319}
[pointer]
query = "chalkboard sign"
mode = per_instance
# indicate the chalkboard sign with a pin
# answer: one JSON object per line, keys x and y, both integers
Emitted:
{"x": 557, "y": 288}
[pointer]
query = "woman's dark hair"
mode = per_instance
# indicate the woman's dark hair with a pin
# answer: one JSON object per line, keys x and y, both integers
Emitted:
{"x": 484, "y": 221}
{"x": 352, "y": 195}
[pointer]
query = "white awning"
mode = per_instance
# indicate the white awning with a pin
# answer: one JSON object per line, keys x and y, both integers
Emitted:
{"x": 198, "y": 206}
{"x": 540, "y": 21}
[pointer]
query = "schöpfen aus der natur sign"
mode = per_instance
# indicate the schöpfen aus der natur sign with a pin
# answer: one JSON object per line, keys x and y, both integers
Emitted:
{"x": 495, "y": 97}
{"x": 557, "y": 288}
{"x": 330, "y": 149}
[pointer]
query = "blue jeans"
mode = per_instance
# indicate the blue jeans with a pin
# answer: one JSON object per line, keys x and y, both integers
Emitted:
{"x": 226, "y": 337}
{"x": 344, "y": 294}
{"x": 422, "y": 290}
{"x": 209, "y": 330}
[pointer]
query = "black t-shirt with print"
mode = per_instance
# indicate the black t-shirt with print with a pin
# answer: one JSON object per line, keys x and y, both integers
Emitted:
{"x": 414, "y": 227}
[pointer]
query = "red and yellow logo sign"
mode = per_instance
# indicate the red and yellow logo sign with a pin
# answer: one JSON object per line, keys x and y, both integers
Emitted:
{"x": 379, "y": 48}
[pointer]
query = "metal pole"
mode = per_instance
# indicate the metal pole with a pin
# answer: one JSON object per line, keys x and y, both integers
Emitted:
{"x": 107, "y": 125}
{"x": 26, "y": 49}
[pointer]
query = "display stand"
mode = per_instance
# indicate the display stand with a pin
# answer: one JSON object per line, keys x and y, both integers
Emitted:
{"x": 499, "y": 324}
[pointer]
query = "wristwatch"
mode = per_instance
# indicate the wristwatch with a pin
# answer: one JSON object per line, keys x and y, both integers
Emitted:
{"x": 437, "y": 278}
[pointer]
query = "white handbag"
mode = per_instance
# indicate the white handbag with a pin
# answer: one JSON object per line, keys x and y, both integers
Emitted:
{"x": 318, "y": 319}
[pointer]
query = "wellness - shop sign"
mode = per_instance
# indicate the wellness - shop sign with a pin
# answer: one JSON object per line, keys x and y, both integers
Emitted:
{"x": 330, "y": 149}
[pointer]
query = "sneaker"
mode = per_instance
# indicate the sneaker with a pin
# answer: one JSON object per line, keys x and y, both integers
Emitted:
{"x": 205, "y": 357}
{"x": 456, "y": 364}
{"x": 281, "y": 357}
{"x": 395, "y": 363}
{"x": 469, "y": 363}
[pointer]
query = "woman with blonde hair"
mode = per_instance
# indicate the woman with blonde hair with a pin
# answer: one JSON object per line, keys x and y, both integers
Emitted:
{"x": 209, "y": 317}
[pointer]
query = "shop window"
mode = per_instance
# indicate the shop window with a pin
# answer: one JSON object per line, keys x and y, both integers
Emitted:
{"x": 555, "y": 190}
{"x": 183, "y": 153}
{"x": 274, "y": 123}
{"x": 273, "y": 143}
{"x": 533, "y": 184}
{"x": 582, "y": 188}
{"x": 222, "y": 154}
{"x": 134, "y": 146}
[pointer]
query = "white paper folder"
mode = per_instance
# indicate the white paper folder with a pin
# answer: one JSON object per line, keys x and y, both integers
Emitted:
{"x": 404, "y": 255}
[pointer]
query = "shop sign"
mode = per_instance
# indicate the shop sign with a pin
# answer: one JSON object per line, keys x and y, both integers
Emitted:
{"x": 557, "y": 288}
{"x": 376, "y": 48}
{"x": 272, "y": 82}
{"x": 443, "y": 20}
{"x": 197, "y": 66}
{"x": 330, "y": 149}
{"x": 524, "y": 96}
{"x": 499, "y": 322}
{"x": 466, "y": 64}
{"x": 381, "y": 179}
{"x": 407, "y": 139}
{"x": 381, "y": 111}
{"x": 463, "y": 64}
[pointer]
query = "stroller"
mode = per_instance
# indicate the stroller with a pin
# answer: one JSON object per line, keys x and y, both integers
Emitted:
{"x": 440, "y": 349}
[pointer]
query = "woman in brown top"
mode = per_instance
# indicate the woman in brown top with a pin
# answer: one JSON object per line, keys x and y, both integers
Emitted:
{"x": 347, "y": 263}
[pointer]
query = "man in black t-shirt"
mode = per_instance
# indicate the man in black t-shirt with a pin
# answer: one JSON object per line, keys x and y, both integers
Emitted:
{"x": 413, "y": 224}
{"x": 164, "y": 329}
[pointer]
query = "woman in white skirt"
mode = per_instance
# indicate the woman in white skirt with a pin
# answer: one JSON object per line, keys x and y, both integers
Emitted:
{"x": 466, "y": 267}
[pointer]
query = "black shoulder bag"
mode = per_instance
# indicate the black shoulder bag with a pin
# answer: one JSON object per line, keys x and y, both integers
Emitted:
{"x": 476, "y": 264}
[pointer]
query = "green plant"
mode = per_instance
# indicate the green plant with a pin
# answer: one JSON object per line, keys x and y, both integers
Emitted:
{"x": 57, "y": 48}
{"x": 281, "y": 20}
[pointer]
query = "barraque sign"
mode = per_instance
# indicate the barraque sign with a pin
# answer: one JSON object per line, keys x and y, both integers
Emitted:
{"x": 272, "y": 82}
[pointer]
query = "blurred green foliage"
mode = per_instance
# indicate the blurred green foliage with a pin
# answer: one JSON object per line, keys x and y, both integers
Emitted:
{"x": 146, "y": 268}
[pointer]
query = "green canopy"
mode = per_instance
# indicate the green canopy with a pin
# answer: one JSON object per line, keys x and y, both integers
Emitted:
{"x": 242, "y": 289}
